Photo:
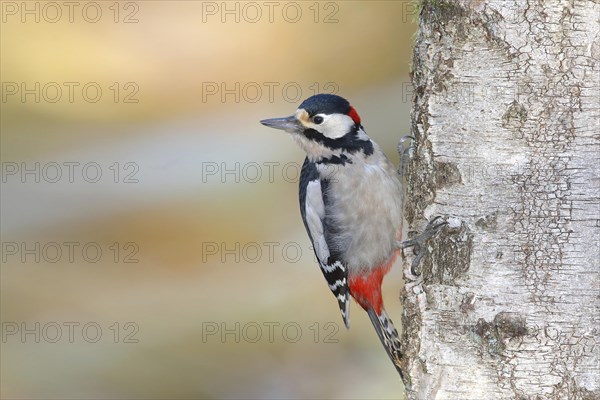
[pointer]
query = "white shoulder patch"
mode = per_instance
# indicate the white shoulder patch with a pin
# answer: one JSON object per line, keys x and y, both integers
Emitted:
{"x": 315, "y": 212}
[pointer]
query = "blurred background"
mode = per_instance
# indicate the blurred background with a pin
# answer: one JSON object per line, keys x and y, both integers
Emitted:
{"x": 152, "y": 245}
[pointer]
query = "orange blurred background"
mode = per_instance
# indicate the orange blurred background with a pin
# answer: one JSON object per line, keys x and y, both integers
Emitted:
{"x": 152, "y": 245}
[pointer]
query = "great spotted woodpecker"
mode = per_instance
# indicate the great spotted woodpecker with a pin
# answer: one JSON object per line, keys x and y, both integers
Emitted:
{"x": 350, "y": 202}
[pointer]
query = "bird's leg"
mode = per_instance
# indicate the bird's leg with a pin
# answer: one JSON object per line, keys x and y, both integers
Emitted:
{"x": 418, "y": 244}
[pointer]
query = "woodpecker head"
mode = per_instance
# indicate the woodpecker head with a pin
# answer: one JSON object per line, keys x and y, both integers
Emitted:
{"x": 325, "y": 126}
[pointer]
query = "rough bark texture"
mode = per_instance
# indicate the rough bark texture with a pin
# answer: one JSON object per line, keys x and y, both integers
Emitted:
{"x": 506, "y": 121}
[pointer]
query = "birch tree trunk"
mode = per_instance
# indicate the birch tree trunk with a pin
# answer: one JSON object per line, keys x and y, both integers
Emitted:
{"x": 506, "y": 121}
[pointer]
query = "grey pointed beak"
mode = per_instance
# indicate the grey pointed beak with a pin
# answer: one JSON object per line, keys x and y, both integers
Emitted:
{"x": 288, "y": 124}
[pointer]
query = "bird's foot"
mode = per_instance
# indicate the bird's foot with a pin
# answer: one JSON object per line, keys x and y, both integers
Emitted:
{"x": 403, "y": 140}
{"x": 418, "y": 244}
{"x": 405, "y": 152}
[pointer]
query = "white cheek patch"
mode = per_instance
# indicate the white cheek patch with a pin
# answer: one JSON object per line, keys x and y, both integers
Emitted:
{"x": 334, "y": 126}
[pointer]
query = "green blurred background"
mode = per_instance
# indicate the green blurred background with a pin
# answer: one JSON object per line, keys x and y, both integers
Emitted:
{"x": 206, "y": 285}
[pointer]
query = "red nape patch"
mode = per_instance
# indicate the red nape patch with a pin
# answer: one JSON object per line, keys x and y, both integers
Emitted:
{"x": 354, "y": 115}
{"x": 366, "y": 289}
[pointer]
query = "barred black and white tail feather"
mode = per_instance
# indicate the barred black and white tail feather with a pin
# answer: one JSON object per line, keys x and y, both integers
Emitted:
{"x": 388, "y": 335}
{"x": 336, "y": 276}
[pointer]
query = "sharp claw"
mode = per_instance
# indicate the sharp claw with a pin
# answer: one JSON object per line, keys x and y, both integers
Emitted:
{"x": 418, "y": 242}
{"x": 430, "y": 230}
{"x": 409, "y": 149}
{"x": 436, "y": 227}
{"x": 415, "y": 264}
{"x": 433, "y": 220}
{"x": 410, "y": 276}
{"x": 404, "y": 139}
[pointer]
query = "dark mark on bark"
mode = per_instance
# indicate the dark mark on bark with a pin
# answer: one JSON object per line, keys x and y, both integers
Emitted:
{"x": 446, "y": 174}
{"x": 493, "y": 336}
{"x": 488, "y": 222}
{"x": 468, "y": 303}
{"x": 514, "y": 117}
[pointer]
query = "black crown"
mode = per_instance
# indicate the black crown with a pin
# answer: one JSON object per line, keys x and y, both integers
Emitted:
{"x": 325, "y": 104}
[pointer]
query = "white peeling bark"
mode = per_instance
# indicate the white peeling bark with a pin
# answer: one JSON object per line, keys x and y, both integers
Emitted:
{"x": 506, "y": 120}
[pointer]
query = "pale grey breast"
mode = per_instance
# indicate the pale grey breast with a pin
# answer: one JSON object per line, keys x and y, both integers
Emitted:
{"x": 364, "y": 208}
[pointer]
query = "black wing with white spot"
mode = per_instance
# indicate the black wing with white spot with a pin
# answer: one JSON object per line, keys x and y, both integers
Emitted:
{"x": 313, "y": 203}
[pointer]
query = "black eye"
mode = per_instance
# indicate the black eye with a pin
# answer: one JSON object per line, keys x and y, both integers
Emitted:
{"x": 317, "y": 120}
